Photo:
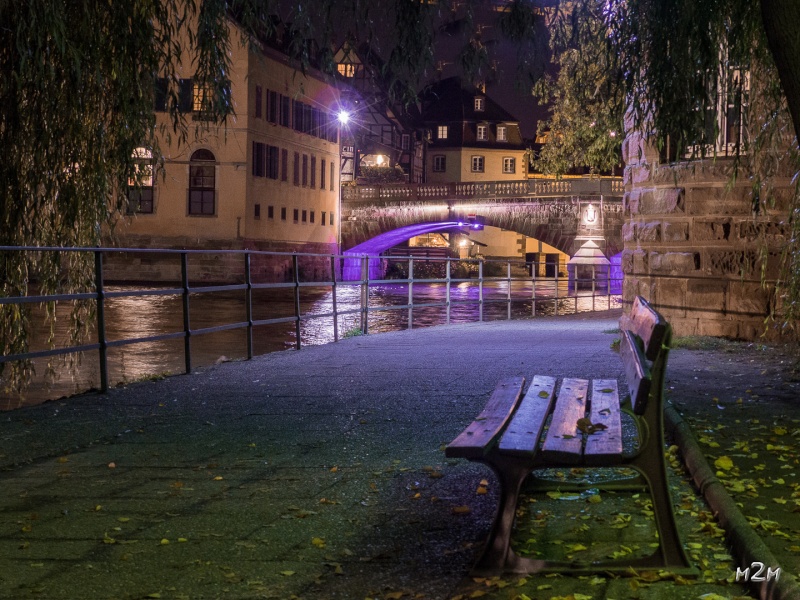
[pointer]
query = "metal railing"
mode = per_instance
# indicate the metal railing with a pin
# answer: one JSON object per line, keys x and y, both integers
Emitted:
{"x": 531, "y": 288}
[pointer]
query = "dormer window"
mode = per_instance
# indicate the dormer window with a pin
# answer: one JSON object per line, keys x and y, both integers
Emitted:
{"x": 502, "y": 133}
{"x": 483, "y": 133}
{"x": 441, "y": 132}
{"x": 480, "y": 104}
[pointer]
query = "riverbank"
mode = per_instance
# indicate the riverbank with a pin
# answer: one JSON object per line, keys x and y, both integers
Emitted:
{"x": 319, "y": 473}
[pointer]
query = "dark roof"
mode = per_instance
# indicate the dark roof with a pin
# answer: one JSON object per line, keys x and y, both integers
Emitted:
{"x": 448, "y": 100}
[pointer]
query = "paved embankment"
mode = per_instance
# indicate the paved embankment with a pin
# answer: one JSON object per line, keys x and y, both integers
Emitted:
{"x": 310, "y": 474}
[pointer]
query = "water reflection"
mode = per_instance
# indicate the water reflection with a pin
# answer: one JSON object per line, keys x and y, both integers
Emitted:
{"x": 139, "y": 317}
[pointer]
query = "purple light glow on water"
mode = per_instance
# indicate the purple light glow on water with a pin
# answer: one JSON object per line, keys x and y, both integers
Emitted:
{"x": 351, "y": 271}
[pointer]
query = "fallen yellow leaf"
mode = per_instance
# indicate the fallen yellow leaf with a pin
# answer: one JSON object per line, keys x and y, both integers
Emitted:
{"x": 318, "y": 542}
{"x": 724, "y": 463}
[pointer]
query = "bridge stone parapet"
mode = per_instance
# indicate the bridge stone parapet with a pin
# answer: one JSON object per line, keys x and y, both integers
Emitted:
{"x": 557, "y": 212}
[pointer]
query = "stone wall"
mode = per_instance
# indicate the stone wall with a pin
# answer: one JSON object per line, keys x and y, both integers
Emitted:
{"x": 215, "y": 266}
{"x": 695, "y": 247}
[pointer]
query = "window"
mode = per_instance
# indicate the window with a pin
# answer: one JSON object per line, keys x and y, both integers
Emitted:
{"x": 311, "y": 217}
{"x": 480, "y": 104}
{"x": 439, "y": 163}
{"x": 297, "y": 115}
{"x": 283, "y": 213}
{"x": 286, "y": 111}
{"x": 305, "y": 216}
{"x": 322, "y": 219}
{"x": 201, "y": 98}
{"x": 259, "y": 158}
{"x": 272, "y": 107}
{"x": 483, "y": 132}
{"x": 333, "y": 175}
{"x": 441, "y": 132}
{"x": 313, "y": 171}
{"x": 331, "y": 218}
{"x": 296, "y": 173}
{"x": 273, "y": 153}
{"x": 185, "y": 91}
{"x": 405, "y": 141}
{"x": 284, "y": 165}
{"x": 202, "y": 181}
{"x": 322, "y": 174}
{"x": 140, "y": 186}
{"x": 509, "y": 164}
{"x": 258, "y": 101}
{"x": 477, "y": 164}
{"x": 270, "y": 212}
{"x": 257, "y": 211}
{"x": 305, "y": 170}
{"x": 502, "y": 133}
{"x": 346, "y": 69}
{"x": 296, "y": 215}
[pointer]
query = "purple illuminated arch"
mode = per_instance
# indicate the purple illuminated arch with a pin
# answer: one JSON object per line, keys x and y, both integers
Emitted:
{"x": 372, "y": 248}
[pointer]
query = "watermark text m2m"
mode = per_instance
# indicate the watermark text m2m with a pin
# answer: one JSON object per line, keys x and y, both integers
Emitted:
{"x": 758, "y": 572}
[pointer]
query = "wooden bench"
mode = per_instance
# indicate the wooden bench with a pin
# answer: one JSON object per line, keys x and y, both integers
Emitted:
{"x": 508, "y": 437}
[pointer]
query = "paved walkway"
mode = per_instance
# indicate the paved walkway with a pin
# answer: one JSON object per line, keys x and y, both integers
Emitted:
{"x": 310, "y": 474}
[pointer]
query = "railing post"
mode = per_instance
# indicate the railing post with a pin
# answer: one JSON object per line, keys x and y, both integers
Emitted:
{"x": 594, "y": 286}
{"x": 508, "y": 288}
{"x": 556, "y": 289}
{"x": 480, "y": 291}
{"x": 364, "y": 294}
{"x": 447, "y": 289}
{"x": 248, "y": 298}
{"x": 410, "y": 292}
{"x": 333, "y": 299}
{"x": 101, "y": 319}
{"x": 187, "y": 330}
{"x": 534, "y": 267}
{"x": 296, "y": 274}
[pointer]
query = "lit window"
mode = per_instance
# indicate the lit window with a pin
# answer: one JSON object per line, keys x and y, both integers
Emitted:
{"x": 346, "y": 69}
{"x": 140, "y": 185}
{"x": 480, "y": 104}
{"x": 441, "y": 132}
{"x": 201, "y": 98}
{"x": 439, "y": 163}
{"x": 509, "y": 164}
{"x": 483, "y": 132}
{"x": 502, "y": 133}
{"x": 202, "y": 183}
{"x": 477, "y": 164}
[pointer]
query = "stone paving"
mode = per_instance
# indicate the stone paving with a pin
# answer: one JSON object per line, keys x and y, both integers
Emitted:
{"x": 316, "y": 474}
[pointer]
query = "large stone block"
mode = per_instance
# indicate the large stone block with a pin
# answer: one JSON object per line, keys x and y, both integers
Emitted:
{"x": 670, "y": 293}
{"x": 628, "y": 232}
{"x": 747, "y": 299}
{"x": 771, "y": 233}
{"x": 706, "y": 296}
{"x": 674, "y": 263}
{"x": 675, "y": 231}
{"x": 730, "y": 262}
{"x": 704, "y": 230}
{"x": 648, "y": 232}
{"x": 718, "y": 201}
{"x": 661, "y": 201}
{"x": 626, "y": 262}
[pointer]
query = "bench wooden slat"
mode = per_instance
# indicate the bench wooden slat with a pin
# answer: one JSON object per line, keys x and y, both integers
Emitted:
{"x": 637, "y": 372}
{"x": 649, "y": 325}
{"x": 604, "y": 445}
{"x": 521, "y": 437}
{"x": 563, "y": 441}
{"x": 477, "y": 439}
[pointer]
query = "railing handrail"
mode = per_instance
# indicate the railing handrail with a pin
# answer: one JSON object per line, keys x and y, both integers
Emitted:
{"x": 337, "y": 262}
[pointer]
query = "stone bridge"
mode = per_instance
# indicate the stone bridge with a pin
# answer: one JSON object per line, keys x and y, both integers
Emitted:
{"x": 559, "y": 212}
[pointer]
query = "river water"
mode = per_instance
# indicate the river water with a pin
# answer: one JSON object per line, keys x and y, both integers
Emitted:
{"x": 137, "y": 317}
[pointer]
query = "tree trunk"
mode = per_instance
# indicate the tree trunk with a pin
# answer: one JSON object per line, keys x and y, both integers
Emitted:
{"x": 782, "y": 26}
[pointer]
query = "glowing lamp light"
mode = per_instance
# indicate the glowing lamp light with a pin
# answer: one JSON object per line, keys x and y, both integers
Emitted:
{"x": 343, "y": 117}
{"x": 379, "y": 160}
{"x": 591, "y": 214}
{"x": 463, "y": 243}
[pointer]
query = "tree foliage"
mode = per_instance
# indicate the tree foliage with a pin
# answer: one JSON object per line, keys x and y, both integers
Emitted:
{"x": 586, "y": 100}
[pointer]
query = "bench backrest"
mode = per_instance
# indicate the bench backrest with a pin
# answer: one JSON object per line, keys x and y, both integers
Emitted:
{"x": 646, "y": 337}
